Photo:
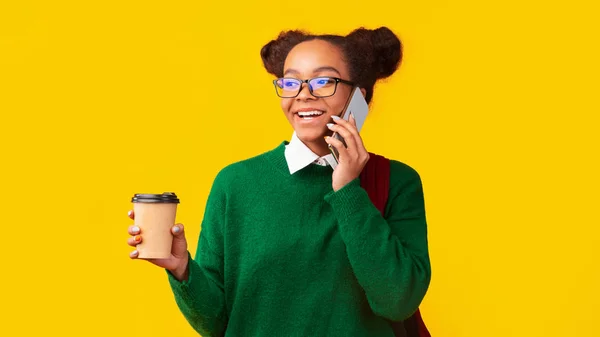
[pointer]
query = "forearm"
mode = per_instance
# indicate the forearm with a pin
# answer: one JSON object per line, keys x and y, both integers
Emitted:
{"x": 394, "y": 275}
{"x": 200, "y": 298}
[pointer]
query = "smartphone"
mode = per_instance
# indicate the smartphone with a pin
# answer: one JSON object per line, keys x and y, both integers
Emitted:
{"x": 359, "y": 108}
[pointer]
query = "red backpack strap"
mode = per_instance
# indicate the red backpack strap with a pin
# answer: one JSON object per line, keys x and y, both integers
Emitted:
{"x": 375, "y": 179}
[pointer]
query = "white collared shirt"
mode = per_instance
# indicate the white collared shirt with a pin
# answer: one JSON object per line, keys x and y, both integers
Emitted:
{"x": 299, "y": 156}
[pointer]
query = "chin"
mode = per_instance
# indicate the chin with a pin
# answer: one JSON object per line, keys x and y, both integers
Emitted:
{"x": 310, "y": 136}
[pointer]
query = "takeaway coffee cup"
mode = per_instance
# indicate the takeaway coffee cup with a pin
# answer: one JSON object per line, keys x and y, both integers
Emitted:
{"x": 155, "y": 216}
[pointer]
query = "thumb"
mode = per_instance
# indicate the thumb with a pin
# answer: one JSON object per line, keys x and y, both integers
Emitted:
{"x": 179, "y": 248}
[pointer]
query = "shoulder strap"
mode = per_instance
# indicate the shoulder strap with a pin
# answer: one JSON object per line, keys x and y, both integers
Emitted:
{"x": 375, "y": 179}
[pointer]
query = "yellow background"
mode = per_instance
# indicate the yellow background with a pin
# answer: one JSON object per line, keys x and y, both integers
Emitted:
{"x": 496, "y": 105}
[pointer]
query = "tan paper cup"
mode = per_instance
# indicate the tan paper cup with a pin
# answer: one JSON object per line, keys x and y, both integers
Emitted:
{"x": 155, "y": 216}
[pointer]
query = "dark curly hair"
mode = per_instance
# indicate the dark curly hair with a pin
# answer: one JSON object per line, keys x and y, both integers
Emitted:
{"x": 371, "y": 54}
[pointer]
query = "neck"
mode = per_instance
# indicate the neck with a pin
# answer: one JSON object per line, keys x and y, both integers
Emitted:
{"x": 318, "y": 147}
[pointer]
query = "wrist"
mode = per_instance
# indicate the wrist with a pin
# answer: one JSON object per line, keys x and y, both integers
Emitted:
{"x": 181, "y": 272}
{"x": 338, "y": 186}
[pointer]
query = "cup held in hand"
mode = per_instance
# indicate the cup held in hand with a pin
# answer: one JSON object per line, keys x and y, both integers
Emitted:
{"x": 155, "y": 215}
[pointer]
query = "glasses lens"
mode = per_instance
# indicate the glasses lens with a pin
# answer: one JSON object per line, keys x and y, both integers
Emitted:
{"x": 287, "y": 87}
{"x": 323, "y": 86}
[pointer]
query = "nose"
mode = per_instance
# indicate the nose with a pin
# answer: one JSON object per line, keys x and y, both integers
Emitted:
{"x": 304, "y": 93}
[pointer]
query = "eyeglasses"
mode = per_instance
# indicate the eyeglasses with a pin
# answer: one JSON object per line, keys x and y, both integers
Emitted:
{"x": 318, "y": 86}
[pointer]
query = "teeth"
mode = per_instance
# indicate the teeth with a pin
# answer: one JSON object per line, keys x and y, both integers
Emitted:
{"x": 310, "y": 113}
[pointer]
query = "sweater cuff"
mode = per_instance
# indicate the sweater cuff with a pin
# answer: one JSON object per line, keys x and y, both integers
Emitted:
{"x": 185, "y": 288}
{"x": 348, "y": 200}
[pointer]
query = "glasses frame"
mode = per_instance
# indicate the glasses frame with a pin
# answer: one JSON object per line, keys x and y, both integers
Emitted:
{"x": 310, "y": 89}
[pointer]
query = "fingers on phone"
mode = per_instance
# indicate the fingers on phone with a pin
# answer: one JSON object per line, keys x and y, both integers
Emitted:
{"x": 338, "y": 145}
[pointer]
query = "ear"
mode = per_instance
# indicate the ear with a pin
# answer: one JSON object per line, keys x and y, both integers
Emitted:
{"x": 364, "y": 92}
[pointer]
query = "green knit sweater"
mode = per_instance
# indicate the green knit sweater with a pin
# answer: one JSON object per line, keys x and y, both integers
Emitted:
{"x": 284, "y": 255}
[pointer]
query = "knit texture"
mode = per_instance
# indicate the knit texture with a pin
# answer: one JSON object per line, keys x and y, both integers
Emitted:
{"x": 284, "y": 255}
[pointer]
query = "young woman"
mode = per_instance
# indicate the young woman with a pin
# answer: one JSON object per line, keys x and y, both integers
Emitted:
{"x": 290, "y": 246}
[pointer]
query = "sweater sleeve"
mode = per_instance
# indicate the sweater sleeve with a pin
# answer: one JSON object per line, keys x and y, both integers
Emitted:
{"x": 201, "y": 297}
{"x": 389, "y": 256}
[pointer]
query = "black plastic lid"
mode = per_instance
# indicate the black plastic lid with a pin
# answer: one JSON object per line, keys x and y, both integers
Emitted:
{"x": 165, "y": 198}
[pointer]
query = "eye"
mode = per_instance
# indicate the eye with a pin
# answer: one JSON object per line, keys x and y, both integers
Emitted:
{"x": 321, "y": 82}
{"x": 289, "y": 84}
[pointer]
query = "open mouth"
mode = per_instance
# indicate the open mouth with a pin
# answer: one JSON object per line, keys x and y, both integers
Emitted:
{"x": 309, "y": 115}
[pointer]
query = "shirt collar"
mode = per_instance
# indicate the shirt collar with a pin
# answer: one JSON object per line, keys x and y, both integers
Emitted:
{"x": 299, "y": 156}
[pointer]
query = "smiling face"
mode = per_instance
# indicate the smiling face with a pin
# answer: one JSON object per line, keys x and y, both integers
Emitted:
{"x": 308, "y": 114}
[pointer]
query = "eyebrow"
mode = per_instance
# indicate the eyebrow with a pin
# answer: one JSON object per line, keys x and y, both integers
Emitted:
{"x": 317, "y": 70}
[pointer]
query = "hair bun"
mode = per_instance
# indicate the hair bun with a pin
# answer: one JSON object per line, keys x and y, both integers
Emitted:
{"x": 384, "y": 47}
{"x": 273, "y": 54}
{"x": 388, "y": 51}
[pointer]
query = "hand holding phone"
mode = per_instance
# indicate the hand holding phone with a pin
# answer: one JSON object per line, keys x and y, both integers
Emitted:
{"x": 359, "y": 108}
